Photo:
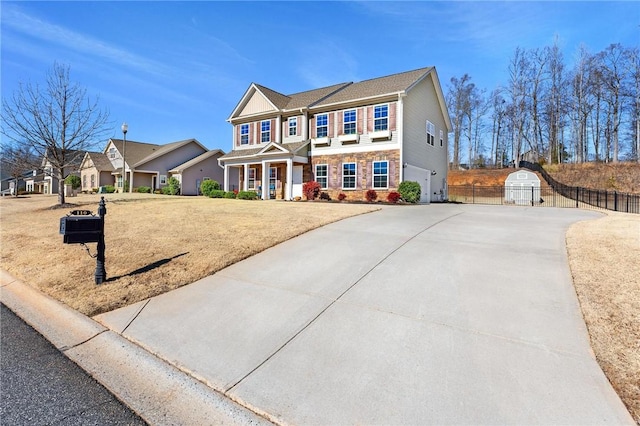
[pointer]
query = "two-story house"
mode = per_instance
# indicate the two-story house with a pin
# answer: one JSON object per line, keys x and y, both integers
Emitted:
{"x": 349, "y": 137}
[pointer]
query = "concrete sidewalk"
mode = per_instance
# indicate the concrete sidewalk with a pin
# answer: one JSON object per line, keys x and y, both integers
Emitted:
{"x": 411, "y": 315}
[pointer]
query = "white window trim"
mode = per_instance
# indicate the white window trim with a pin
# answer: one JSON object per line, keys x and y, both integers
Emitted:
{"x": 163, "y": 179}
{"x": 293, "y": 124}
{"x": 374, "y": 117}
{"x": 354, "y": 122}
{"x": 267, "y": 132}
{"x": 441, "y": 138}
{"x": 373, "y": 175}
{"x": 326, "y": 177}
{"x": 355, "y": 176}
{"x": 431, "y": 130}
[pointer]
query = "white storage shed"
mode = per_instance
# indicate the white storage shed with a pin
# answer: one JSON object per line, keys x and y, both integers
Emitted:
{"x": 522, "y": 187}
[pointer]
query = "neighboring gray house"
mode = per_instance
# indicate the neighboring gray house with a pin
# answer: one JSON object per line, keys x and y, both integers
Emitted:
{"x": 349, "y": 137}
{"x": 193, "y": 172}
{"x": 144, "y": 164}
{"x": 522, "y": 187}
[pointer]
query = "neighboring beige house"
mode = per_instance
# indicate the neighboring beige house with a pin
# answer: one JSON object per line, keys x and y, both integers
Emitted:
{"x": 144, "y": 164}
{"x": 349, "y": 137}
{"x": 196, "y": 170}
{"x": 49, "y": 182}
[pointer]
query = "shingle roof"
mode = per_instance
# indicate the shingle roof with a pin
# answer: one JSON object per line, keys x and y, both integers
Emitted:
{"x": 376, "y": 87}
{"x": 290, "y": 147}
{"x": 194, "y": 161}
{"x": 101, "y": 161}
{"x": 135, "y": 151}
{"x": 304, "y": 99}
{"x": 278, "y": 99}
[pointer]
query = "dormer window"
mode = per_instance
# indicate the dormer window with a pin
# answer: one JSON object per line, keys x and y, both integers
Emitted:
{"x": 349, "y": 122}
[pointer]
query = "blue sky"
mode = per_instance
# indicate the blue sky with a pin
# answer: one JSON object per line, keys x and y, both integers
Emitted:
{"x": 176, "y": 70}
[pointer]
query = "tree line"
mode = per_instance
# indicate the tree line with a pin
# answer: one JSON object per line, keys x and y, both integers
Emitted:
{"x": 590, "y": 112}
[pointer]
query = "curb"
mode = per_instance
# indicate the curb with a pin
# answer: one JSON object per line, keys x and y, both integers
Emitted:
{"x": 155, "y": 390}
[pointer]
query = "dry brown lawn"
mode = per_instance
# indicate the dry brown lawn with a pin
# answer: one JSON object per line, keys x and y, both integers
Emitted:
{"x": 154, "y": 243}
{"x": 158, "y": 243}
{"x": 604, "y": 256}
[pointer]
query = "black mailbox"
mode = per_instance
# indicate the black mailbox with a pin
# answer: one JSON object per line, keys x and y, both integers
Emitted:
{"x": 83, "y": 228}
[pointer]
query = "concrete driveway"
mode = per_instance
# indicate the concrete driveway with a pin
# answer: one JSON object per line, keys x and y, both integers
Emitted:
{"x": 433, "y": 314}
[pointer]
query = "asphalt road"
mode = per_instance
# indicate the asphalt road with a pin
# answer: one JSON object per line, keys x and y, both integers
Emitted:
{"x": 41, "y": 386}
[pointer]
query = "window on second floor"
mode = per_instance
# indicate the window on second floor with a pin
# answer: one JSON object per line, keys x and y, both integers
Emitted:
{"x": 322, "y": 125}
{"x": 112, "y": 153}
{"x": 431, "y": 133}
{"x": 293, "y": 126}
{"x": 441, "y": 137}
{"x": 244, "y": 134}
{"x": 265, "y": 131}
{"x": 349, "y": 121}
{"x": 380, "y": 117}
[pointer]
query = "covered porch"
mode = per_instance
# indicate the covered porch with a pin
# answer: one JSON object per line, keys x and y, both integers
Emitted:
{"x": 276, "y": 171}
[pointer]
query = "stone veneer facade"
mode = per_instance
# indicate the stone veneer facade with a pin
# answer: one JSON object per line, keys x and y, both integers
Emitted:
{"x": 364, "y": 176}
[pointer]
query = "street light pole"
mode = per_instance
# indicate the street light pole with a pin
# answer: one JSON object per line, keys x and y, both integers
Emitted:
{"x": 125, "y": 128}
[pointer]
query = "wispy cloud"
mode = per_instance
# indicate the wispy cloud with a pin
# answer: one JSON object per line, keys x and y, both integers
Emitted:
{"x": 50, "y": 34}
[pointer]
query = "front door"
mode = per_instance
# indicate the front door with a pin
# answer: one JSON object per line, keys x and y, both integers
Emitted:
{"x": 297, "y": 181}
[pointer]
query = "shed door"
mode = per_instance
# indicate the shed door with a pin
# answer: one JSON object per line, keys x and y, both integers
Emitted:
{"x": 297, "y": 181}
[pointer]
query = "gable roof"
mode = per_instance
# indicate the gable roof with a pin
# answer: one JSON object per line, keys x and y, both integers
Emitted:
{"x": 138, "y": 153}
{"x": 194, "y": 161}
{"x": 284, "y": 148}
{"x": 346, "y": 92}
{"x": 100, "y": 161}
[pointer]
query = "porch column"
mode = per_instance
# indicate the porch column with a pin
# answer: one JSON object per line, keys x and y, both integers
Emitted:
{"x": 131, "y": 181}
{"x": 245, "y": 180}
{"x": 265, "y": 180}
{"x": 289, "y": 189}
{"x": 226, "y": 177}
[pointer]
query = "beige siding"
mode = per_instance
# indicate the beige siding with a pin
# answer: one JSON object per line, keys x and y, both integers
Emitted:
{"x": 421, "y": 104}
{"x": 256, "y": 105}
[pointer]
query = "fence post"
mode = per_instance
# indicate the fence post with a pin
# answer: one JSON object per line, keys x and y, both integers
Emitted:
{"x": 577, "y": 195}
{"x": 615, "y": 200}
{"x": 531, "y": 196}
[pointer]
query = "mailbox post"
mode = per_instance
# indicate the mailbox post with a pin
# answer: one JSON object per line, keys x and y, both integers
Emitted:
{"x": 101, "y": 272}
{"x": 81, "y": 227}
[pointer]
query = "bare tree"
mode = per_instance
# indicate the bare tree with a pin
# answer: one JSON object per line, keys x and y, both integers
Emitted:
{"x": 16, "y": 161}
{"x": 458, "y": 104}
{"x": 56, "y": 121}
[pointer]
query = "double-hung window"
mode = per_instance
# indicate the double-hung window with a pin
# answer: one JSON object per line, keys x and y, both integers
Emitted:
{"x": 380, "y": 118}
{"x": 112, "y": 153}
{"x": 348, "y": 175}
{"x": 244, "y": 134}
{"x": 93, "y": 181}
{"x": 251, "y": 178}
{"x": 293, "y": 126}
{"x": 322, "y": 125}
{"x": 265, "y": 131}
{"x": 431, "y": 133}
{"x": 349, "y": 121}
{"x": 322, "y": 175}
{"x": 380, "y": 174}
{"x": 441, "y": 138}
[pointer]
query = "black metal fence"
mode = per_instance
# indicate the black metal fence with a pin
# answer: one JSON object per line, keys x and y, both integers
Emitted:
{"x": 553, "y": 194}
